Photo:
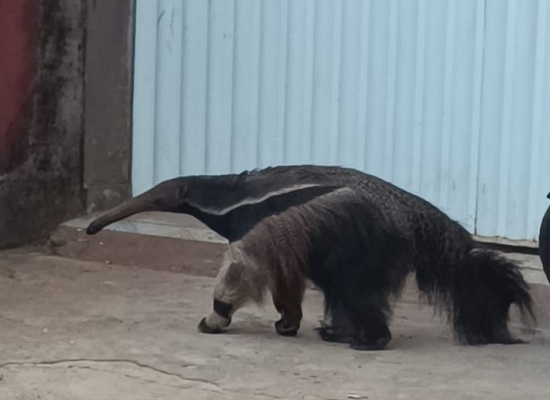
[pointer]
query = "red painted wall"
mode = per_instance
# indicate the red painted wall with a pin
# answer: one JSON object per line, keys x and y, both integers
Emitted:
{"x": 18, "y": 41}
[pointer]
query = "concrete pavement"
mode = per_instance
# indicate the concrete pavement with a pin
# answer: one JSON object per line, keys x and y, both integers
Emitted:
{"x": 73, "y": 329}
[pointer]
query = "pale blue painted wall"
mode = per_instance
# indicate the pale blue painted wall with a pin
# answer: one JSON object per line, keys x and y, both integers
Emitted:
{"x": 447, "y": 98}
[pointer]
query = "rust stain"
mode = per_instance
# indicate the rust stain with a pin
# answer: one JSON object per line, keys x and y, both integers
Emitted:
{"x": 18, "y": 42}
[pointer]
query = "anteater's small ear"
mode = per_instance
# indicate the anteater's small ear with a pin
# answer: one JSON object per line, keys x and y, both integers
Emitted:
{"x": 548, "y": 196}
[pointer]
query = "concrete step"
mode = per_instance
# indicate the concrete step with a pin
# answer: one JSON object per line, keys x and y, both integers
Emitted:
{"x": 162, "y": 241}
{"x": 178, "y": 242}
{"x": 531, "y": 267}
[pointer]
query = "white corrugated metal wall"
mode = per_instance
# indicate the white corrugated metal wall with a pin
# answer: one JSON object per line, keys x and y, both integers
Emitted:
{"x": 446, "y": 98}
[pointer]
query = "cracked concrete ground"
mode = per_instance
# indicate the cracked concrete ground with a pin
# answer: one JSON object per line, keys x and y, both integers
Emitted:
{"x": 73, "y": 329}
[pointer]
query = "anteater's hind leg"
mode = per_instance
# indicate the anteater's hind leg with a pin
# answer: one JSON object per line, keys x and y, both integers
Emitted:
{"x": 368, "y": 313}
{"x": 288, "y": 302}
{"x": 361, "y": 321}
{"x": 365, "y": 307}
{"x": 358, "y": 307}
{"x": 336, "y": 326}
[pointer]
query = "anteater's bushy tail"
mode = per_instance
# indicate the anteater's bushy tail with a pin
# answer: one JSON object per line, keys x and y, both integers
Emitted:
{"x": 483, "y": 289}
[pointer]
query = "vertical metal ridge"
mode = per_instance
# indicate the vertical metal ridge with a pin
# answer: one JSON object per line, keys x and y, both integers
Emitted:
{"x": 234, "y": 85}
{"x": 336, "y": 82}
{"x": 309, "y": 57}
{"x": 183, "y": 56}
{"x": 195, "y": 92}
{"x": 344, "y": 111}
{"x": 450, "y": 19}
{"x": 271, "y": 111}
{"x": 295, "y": 83}
{"x": 282, "y": 87}
{"x": 475, "y": 153}
{"x": 221, "y": 85}
{"x": 246, "y": 71}
{"x": 288, "y": 63}
{"x": 506, "y": 121}
{"x": 537, "y": 128}
{"x": 178, "y": 46}
{"x": 363, "y": 83}
{"x": 260, "y": 79}
{"x": 143, "y": 124}
{"x": 390, "y": 96}
{"x": 349, "y": 88}
{"x": 156, "y": 94}
{"x": 313, "y": 72}
{"x": 167, "y": 82}
{"x": 208, "y": 84}
{"x": 419, "y": 95}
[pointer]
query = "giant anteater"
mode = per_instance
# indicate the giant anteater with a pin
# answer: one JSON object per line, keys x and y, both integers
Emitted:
{"x": 356, "y": 236}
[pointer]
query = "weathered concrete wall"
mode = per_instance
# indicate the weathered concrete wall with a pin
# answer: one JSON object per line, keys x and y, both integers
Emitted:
{"x": 67, "y": 149}
{"x": 107, "y": 143}
{"x": 18, "y": 37}
{"x": 46, "y": 186}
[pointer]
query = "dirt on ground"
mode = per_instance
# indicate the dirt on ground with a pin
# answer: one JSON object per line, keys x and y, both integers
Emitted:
{"x": 86, "y": 330}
